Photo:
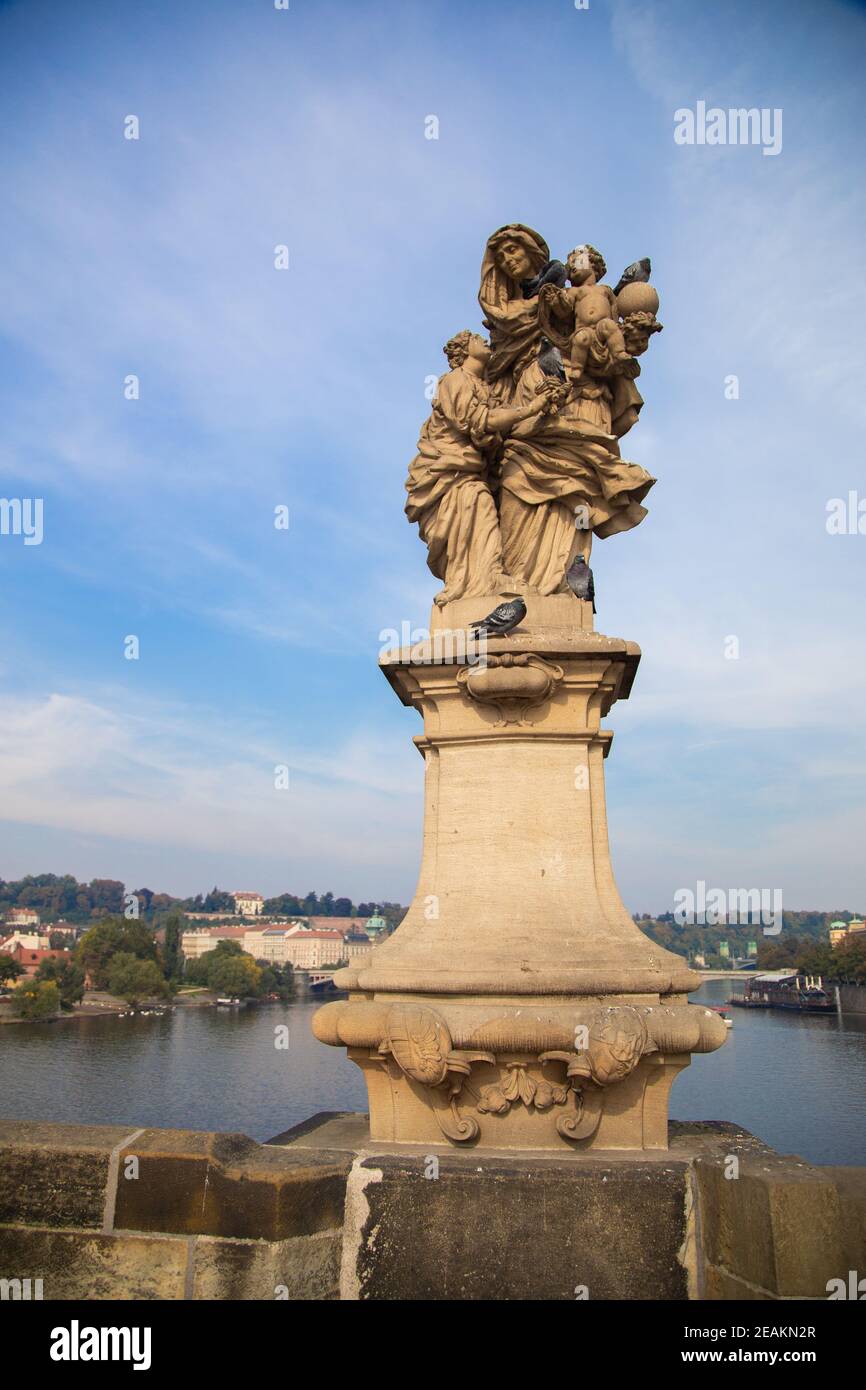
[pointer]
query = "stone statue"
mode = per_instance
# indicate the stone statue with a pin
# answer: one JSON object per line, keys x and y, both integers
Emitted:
{"x": 518, "y": 1005}
{"x": 515, "y": 473}
{"x": 448, "y": 487}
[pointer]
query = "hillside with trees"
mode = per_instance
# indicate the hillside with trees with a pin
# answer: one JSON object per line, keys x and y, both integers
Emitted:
{"x": 803, "y": 934}
{"x": 59, "y": 897}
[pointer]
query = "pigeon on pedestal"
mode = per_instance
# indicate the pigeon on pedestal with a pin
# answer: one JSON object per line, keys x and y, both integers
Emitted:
{"x": 502, "y": 620}
{"x": 580, "y": 580}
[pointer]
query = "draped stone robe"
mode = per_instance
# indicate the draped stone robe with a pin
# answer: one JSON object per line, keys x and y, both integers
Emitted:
{"x": 449, "y": 495}
{"x": 571, "y": 460}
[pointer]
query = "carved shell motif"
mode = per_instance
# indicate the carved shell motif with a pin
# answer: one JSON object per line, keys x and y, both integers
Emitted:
{"x": 419, "y": 1043}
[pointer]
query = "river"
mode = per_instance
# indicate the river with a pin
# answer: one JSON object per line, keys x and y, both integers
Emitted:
{"x": 797, "y": 1082}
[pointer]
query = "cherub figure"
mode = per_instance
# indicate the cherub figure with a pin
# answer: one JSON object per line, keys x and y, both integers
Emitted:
{"x": 597, "y": 341}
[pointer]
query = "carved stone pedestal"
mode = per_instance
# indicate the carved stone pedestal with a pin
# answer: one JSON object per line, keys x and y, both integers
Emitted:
{"x": 518, "y": 1004}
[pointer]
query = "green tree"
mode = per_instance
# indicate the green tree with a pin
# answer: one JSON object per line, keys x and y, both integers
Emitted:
{"x": 133, "y": 979}
{"x": 227, "y": 947}
{"x": 777, "y": 955}
{"x": 37, "y": 999}
{"x": 227, "y": 969}
{"x": 195, "y": 971}
{"x": 67, "y": 974}
{"x": 277, "y": 979}
{"x": 847, "y": 961}
{"x": 286, "y": 905}
{"x": 218, "y": 901}
{"x": 113, "y": 935}
{"x": 238, "y": 976}
{"x": 9, "y": 968}
{"x": 174, "y": 925}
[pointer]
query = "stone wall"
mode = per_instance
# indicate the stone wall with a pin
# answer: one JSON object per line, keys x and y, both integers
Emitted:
{"x": 100, "y": 1212}
{"x": 97, "y": 1212}
{"x": 852, "y": 999}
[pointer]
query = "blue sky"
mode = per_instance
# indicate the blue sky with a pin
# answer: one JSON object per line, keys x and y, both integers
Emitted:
{"x": 305, "y": 388}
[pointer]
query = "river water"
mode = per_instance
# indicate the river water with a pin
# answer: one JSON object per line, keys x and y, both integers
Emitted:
{"x": 797, "y": 1082}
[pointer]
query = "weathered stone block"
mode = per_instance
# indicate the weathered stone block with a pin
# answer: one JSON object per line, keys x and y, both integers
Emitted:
{"x": 55, "y": 1175}
{"x": 515, "y": 1229}
{"x": 776, "y": 1225}
{"x": 90, "y": 1265}
{"x": 227, "y": 1185}
{"x": 723, "y": 1287}
{"x": 304, "y": 1267}
{"x": 850, "y": 1184}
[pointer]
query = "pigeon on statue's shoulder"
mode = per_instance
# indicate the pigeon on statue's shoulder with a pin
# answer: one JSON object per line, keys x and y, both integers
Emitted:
{"x": 502, "y": 620}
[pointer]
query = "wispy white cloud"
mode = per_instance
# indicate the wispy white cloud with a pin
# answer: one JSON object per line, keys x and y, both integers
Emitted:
{"x": 181, "y": 780}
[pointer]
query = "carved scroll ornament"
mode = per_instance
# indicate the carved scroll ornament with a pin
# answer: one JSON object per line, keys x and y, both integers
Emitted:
{"x": 418, "y": 1040}
{"x": 514, "y": 684}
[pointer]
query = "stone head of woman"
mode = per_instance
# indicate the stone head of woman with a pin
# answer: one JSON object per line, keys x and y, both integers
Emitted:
{"x": 513, "y": 259}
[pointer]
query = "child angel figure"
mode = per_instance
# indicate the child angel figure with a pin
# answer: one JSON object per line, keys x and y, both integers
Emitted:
{"x": 583, "y": 319}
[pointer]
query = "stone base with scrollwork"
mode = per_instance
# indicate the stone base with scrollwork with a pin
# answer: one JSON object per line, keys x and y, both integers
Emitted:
{"x": 518, "y": 1005}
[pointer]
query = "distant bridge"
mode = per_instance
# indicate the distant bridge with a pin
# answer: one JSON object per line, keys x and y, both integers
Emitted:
{"x": 319, "y": 981}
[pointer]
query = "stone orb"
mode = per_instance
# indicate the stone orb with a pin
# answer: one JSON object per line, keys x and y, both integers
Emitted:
{"x": 637, "y": 299}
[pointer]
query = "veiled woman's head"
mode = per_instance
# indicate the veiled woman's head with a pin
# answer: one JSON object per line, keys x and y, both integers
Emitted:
{"x": 512, "y": 254}
{"x": 514, "y": 259}
{"x": 519, "y": 252}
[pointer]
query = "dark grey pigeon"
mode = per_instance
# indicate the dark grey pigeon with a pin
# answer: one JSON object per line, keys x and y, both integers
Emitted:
{"x": 502, "y": 620}
{"x": 550, "y": 360}
{"x": 636, "y": 274}
{"x": 580, "y": 580}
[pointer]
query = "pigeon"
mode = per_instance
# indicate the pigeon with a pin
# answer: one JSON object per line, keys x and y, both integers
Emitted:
{"x": 502, "y": 620}
{"x": 580, "y": 580}
{"x": 554, "y": 273}
{"x": 550, "y": 360}
{"x": 636, "y": 274}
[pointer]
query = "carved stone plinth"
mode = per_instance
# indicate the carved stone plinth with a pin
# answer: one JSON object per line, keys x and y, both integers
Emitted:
{"x": 518, "y": 1004}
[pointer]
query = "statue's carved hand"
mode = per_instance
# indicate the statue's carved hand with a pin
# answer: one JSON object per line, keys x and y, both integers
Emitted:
{"x": 552, "y": 394}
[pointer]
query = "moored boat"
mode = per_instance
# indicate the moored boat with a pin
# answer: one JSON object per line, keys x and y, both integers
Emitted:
{"x": 785, "y": 989}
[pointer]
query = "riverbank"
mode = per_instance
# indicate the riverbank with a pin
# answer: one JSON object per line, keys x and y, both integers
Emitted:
{"x": 99, "y": 1004}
